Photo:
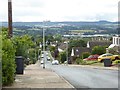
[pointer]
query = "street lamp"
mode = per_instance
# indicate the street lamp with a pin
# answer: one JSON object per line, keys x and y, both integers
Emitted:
{"x": 38, "y": 53}
{"x": 67, "y": 42}
{"x": 44, "y": 47}
{"x": 35, "y": 54}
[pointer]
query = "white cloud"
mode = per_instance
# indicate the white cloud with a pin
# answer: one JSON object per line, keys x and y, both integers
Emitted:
{"x": 61, "y": 10}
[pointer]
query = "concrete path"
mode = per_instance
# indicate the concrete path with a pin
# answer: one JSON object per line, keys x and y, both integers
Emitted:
{"x": 36, "y": 77}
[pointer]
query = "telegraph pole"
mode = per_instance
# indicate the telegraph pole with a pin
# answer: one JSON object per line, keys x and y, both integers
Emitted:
{"x": 10, "y": 32}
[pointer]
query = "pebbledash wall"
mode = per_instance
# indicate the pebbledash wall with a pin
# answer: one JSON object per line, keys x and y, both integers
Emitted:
{"x": 116, "y": 40}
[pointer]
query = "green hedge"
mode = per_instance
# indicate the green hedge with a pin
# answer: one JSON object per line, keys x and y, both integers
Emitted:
{"x": 8, "y": 60}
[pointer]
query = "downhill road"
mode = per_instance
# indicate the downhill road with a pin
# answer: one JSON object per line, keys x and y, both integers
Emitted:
{"x": 81, "y": 77}
{"x": 84, "y": 77}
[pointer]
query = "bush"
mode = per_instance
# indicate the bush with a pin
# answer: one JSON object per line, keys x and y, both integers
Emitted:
{"x": 85, "y": 55}
{"x": 8, "y": 61}
{"x": 99, "y": 50}
{"x": 91, "y": 62}
{"x": 83, "y": 62}
{"x": 31, "y": 56}
{"x": 77, "y": 61}
{"x": 62, "y": 57}
{"x": 22, "y": 44}
{"x": 52, "y": 48}
{"x": 116, "y": 62}
{"x": 80, "y": 61}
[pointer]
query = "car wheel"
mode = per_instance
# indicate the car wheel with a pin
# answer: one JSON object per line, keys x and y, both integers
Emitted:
{"x": 116, "y": 58}
{"x": 101, "y": 61}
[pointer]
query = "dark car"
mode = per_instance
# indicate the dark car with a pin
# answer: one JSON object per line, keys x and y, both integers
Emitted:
{"x": 92, "y": 57}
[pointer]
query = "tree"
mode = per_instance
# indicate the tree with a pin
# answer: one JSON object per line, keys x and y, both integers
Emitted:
{"x": 49, "y": 38}
{"x": 52, "y": 48}
{"x": 62, "y": 57}
{"x": 77, "y": 43}
{"x": 23, "y": 44}
{"x": 99, "y": 50}
{"x": 85, "y": 55}
{"x": 58, "y": 37}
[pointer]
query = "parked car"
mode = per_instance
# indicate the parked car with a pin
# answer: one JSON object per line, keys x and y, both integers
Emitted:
{"x": 55, "y": 62}
{"x": 42, "y": 62}
{"x": 65, "y": 62}
{"x": 108, "y": 56}
{"x": 42, "y": 55}
{"x": 48, "y": 58}
{"x": 47, "y": 53}
{"x": 92, "y": 57}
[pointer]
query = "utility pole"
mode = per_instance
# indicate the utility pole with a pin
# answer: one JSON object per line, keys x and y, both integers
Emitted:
{"x": 10, "y": 32}
{"x": 67, "y": 52}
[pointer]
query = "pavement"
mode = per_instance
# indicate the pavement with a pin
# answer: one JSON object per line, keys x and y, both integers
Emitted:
{"x": 96, "y": 67}
{"x": 36, "y": 77}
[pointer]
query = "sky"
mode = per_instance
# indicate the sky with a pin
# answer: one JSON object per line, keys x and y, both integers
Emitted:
{"x": 60, "y": 10}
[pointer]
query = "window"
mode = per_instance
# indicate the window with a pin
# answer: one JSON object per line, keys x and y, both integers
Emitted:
{"x": 113, "y": 40}
{"x": 117, "y": 40}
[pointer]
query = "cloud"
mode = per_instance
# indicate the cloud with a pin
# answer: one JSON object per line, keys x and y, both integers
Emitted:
{"x": 61, "y": 10}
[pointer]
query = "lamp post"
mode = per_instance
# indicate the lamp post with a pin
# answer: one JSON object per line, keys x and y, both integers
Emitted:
{"x": 44, "y": 47}
{"x": 38, "y": 53}
{"x": 35, "y": 55}
{"x": 67, "y": 42}
{"x": 67, "y": 53}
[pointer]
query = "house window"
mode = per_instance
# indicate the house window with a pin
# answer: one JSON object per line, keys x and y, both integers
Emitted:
{"x": 117, "y": 41}
{"x": 113, "y": 40}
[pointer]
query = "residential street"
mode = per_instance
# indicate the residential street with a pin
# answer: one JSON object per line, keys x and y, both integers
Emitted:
{"x": 82, "y": 77}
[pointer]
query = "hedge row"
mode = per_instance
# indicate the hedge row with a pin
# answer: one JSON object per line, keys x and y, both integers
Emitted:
{"x": 8, "y": 59}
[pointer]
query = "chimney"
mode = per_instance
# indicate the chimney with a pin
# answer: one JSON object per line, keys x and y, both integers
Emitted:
{"x": 88, "y": 44}
{"x": 10, "y": 18}
{"x": 72, "y": 53}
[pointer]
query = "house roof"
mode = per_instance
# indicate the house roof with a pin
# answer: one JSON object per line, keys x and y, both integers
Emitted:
{"x": 62, "y": 46}
{"x": 99, "y": 43}
{"x": 80, "y": 50}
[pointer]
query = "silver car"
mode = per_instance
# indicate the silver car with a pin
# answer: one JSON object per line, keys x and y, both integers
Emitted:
{"x": 55, "y": 62}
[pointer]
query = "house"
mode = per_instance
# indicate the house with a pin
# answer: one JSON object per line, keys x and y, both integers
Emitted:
{"x": 77, "y": 51}
{"x": 115, "y": 44}
{"x": 115, "y": 41}
{"x": 99, "y": 43}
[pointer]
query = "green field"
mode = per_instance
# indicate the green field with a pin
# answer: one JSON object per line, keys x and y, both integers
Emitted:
{"x": 81, "y": 31}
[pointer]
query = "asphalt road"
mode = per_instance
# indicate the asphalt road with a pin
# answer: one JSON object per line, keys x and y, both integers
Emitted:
{"x": 83, "y": 77}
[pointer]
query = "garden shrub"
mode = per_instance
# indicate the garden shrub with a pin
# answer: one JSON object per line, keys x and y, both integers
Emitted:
{"x": 77, "y": 61}
{"x": 62, "y": 57}
{"x": 80, "y": 61}
{"x": 85, "y": 55}
{"x": 116, "y": 62}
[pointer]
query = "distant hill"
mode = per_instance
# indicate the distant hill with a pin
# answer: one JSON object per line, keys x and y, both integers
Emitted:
{"x": 34, "y": 28}
{"x": 58, "y": 23}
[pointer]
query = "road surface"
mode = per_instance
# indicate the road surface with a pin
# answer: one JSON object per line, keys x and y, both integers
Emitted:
{"x": 83, "y": 77}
